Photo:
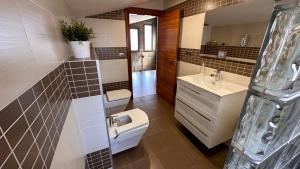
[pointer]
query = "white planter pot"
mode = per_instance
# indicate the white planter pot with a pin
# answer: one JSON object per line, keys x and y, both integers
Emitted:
{"x": 80, "y": 49}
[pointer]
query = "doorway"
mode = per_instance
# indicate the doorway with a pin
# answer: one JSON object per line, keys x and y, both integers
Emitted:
{"x": 143, "y": 41}
{"x": 167, "y": 30}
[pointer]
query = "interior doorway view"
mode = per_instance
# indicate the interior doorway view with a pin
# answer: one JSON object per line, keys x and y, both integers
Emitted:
{"x": 143, "y": 40}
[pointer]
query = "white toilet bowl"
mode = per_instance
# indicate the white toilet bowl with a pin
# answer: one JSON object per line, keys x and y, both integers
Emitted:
{"x": 126, "y": 129}
{"x": 116, "y": 100}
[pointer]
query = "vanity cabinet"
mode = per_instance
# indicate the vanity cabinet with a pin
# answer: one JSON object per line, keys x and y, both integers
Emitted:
{"x": 209, "y": 116}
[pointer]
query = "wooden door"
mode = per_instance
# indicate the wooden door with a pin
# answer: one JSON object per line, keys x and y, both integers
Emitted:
{"x": 168, "y": 37}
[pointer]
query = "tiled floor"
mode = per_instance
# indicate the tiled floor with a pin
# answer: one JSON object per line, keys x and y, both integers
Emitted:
{"x": 144, "y": 83}
{"x": 167, "y": 144}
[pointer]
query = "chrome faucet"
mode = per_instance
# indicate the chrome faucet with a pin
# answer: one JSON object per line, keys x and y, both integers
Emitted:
{"x": 216, "y": 75}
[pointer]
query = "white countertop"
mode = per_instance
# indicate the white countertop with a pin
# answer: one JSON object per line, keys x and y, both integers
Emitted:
{"x": 220, "y": 88}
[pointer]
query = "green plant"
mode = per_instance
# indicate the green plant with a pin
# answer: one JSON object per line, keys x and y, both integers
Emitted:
{"x": 76, "y": 31}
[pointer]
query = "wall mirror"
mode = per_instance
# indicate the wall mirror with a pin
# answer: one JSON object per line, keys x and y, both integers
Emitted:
{"x": 236, "y": 32}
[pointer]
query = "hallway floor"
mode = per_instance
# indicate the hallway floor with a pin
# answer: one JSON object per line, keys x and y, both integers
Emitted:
{"x": 144, "y": 83}
{"x": 167, "y": 144}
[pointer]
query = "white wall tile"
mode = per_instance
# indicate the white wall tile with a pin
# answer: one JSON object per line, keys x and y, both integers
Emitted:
{"x": 89, "y": 111}
{"x": 108, "y": 33}
{"x": 15, "y": 54}
{"x": 88, "y": 104}
{"x": 114, "y": 70}
{"x": 30, "y": 46}
{"x": 57, "y": 7}
{"x": 184, "y": 69}
{"x": 95, "y": 138}
{"x": 70, "y": 150}
{"x": 92, "y": 122}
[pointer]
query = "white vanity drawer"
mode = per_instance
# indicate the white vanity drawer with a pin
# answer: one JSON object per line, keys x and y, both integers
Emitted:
{"x": 203, "y": 137}
{"x": 199, "y": 117}
{"x": 196, "y": 89}
{"x": 198, "y": 100}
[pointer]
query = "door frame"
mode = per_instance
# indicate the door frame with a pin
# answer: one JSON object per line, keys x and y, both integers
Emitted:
{"x": 139, "y": 11}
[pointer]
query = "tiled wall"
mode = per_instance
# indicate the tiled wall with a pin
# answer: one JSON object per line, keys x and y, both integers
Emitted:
{"x": 83, "y": 78}
{"x": 110, "y": 47}
{"x": 115, "y": 15}
{"x": 31, "y": 44}
{"x": 31, "y": 125}
{"x": 70, "y": 145}
{"x": 193, "y": 7}
{"x": 99, "y": 159}
{"x": 107, "y": 53}
{"x": 232, "y": 51}
{"x": 193, "y": 56}
{"x": 115, "y": 86}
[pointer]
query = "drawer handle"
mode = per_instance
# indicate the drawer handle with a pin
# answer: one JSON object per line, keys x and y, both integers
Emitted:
{"x": 193, "y": 124}
{"x": 194, "y": 110}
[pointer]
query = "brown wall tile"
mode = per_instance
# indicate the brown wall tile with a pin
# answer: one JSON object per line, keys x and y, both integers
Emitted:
{"x": 10, "y": 114}
{"x": 47, "y": 98}
{"x": 115, "y": 86}
{"x": 31, "y": 157}
{"x": 99, "y": 159}
{"x": 5, "y": 150}
{"x": 24, "y": 146}
{"x": 76, "y": 64}
{"x": 10, "y": 163}
{"x": 15, "y": 133}
{"x": 232, "y": 51}
{"x": 89, "y": 64}
{"x": 38, "y": 88}
{"x": 32, "y": 112}
{"x": 107, "y": 53}
{"x": 27, "y": 99}
{"x": 38, "y": 163}
{"x": 37, "y": 125}
{"x": 83, "y": 78}
{"x": 91, "y": 69}
{"x": 115, "y": 15}
{"x": 193, "y": 56}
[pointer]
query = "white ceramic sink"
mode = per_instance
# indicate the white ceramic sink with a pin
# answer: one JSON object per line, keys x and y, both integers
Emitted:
{"x": 220, "y": 88}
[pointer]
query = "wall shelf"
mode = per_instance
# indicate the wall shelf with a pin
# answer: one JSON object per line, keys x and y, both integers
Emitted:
{"x": 229, "y": 58}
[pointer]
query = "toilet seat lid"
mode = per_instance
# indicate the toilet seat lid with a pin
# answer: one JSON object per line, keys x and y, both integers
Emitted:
{"x": 139, "y": 119}
{"x": 118, "y": 94}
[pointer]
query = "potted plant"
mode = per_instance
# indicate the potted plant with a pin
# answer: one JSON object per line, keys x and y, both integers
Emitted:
{"x": 78, "y": 36}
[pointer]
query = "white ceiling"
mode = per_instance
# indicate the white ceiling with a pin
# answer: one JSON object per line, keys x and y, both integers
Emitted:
{"x": 81, "y": 8}
{"x": 248, "y": 12}
{"x": 133, "y": 18}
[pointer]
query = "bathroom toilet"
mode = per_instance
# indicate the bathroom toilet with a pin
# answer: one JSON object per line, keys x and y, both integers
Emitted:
{"x": 126, "y": 129}
{"x": 116, "y": 101}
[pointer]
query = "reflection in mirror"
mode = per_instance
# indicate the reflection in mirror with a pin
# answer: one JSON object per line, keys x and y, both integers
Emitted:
{"x": 236, "y": 32}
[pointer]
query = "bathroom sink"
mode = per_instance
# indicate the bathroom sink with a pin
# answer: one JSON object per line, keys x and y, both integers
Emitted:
{"x": 122, "y": 120}
{"x": 208, "y": 83}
